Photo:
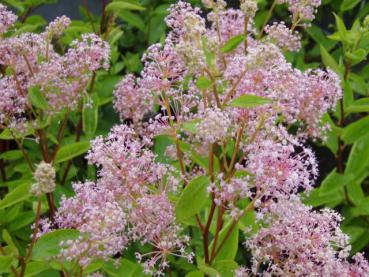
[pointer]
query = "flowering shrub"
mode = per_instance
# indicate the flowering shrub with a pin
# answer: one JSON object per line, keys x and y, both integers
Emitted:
{"x": 213, "y": 146}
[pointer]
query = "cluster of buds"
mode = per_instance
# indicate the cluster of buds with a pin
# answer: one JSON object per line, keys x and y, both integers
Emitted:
{"x": 44, "y": 176}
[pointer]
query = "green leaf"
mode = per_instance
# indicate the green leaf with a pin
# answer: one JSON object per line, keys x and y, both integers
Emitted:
{"x": 48, "y": 245}
{"x": 357, "y": 109}
{"x": 16, "y": 4}
{"x": 23, "y": 220}
{"x": 328, "y": 60}
{"x": 15, "y": 196}
{"x": 226, "y": 268}
{"x": 249, "y": 101}
{"x": 114, "y": 35}
{"x": 193, "y": 198}
{"x": 329, "y": 200}
{"x": 358, "y": 106}
{"x": 203, "y": 83}
{"x": 161, "y": 143}
{"x": 208, "y": 270}
{"x": 8, "y": 135}
{"x": 9, "y": 241}
{"x": 126, "y": 268}
{"x": 332, "y": 183}
{"x": 90, "y": 117}
{"x": 358, "y": 160}
{"x": 230, "y": 247}
{"x": 121, "y": 6}
{"x": 37, "y": 99}
{"x": 356, "y": 130}
{"x": 94, "y": 266}
{"x": 349, "y": 5}
{"x": 232, "y": 43}
{"x": 34, "y": 268}
{"x": 11, "y": 155}
{"x": 104, "y": 88}
{"x": 209, "y": 55}
{"x": 71, "y": 151}
{"x": 195, "y": 273}
{"x": 331, "y": 141}
{"x": 248, "y": 223}
{"x": 5, "y": 263}
{"x": 319, "y": 37}
{"x": 204, "y": 161}
{"x": 357, "y": 56}
{"x": 348, "y": 95}
{"x": 191, "y": 126}
{"x": 358, "y": 234}
{"x": 355, "y": 191}
{"x": 133, "y": 19}
{"x": 342, "y": 31}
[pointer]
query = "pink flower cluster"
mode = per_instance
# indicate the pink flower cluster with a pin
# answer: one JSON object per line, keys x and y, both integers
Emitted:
{"x": 300, "y": 241}
{"x": 301, "y": 97}
{"x": 130, "y": 101}
{"x": 279, "y": 170}
{"x": 128, "y": 203}
{"x": 7, "y": 19}
{"x": 283, "y": 36}
{"x": 304, "y": 9}
{"x": 32, "y": 63}
{"x": 100, "y": 220}
{"x": 58, "y": 26}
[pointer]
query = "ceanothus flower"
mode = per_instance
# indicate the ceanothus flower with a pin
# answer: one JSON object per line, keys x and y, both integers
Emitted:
{"x": 7, "y": 19}
{"x": 295, "y": 239}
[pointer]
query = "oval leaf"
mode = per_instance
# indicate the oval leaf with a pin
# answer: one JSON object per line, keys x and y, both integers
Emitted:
{"x": 356, "y": 130}
{"x": 230, "y": 247}
{"x": 37, "y": 99}
{"x": 71, "y": 151}
{"x": 193, "y": 198}
{"x": 249, "y": 101}
{"x": 358, "y": 160}
{"x": 48, "y": 245}
{"x": 328, "y": 60}
{"x": 120, "y": 6}
{"x": 17, "y": 195}
{"x": 232, "y": 43}
{"x": 90, "y": 117}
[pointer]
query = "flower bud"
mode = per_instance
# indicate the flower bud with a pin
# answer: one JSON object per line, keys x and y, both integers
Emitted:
{"x": 45, "y": 179}
{"x": 249, "y": 8}
{"x": 58, "y": 26}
